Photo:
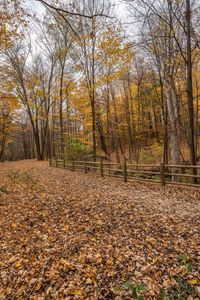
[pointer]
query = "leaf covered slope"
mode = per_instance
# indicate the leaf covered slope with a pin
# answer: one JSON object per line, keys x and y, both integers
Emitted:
{"x": 68, "y": 235}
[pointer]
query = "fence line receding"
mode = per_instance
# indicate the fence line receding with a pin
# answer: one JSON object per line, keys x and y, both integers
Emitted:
{"x": 177, "y": 174}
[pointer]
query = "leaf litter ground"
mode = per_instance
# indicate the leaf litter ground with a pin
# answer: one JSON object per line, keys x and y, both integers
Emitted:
{"x": 66, "y": 235}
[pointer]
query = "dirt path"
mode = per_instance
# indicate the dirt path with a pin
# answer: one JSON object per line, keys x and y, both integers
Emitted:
{"x": 66, "y": 235}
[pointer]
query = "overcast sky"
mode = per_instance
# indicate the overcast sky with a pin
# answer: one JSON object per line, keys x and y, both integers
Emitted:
{"x": 35, "y": 7}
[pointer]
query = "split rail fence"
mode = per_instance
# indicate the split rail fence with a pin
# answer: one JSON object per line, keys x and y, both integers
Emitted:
{"x": 163, "y": 174}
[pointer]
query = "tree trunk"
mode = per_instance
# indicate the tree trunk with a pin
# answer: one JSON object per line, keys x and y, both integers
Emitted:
{"x": 190, "y": 89}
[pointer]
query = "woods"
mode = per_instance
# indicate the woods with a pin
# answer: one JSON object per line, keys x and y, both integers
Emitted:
{"x": 80, "y": 76}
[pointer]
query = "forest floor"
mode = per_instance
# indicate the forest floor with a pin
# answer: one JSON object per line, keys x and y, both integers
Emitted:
{"x": 67, "y": 235}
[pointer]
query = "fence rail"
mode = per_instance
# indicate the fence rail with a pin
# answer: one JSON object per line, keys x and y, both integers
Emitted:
{"x": 173, "y": 174}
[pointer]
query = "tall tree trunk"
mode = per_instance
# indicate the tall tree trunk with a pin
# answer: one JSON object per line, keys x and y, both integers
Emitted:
{"x": 61, "y": 111}
{"x": 93, "y": 105}
{"x": 190, "y": 89}
{"x": 173, "y": 109}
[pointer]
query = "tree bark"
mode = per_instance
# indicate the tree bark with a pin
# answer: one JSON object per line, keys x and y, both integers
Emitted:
{"x": 190, "y": 88}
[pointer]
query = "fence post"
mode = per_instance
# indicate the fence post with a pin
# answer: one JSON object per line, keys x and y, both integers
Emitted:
{"x": 125, "y": 172}
{"x": 50, "y": 162}
{"x": 162, "y": 174}
{"x": 64, "y": 163}
{"x": 56, "y": 163}
{"x": 85, "y": 164}
{"x": 101, "y": 167}
{"x": 73, "y": 166}
{"x": 109, "y": 166}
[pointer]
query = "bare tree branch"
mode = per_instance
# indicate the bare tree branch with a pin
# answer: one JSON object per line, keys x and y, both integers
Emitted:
{"x": 76, "y": 14}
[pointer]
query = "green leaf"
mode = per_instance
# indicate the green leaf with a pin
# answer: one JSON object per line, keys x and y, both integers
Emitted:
{"x": 182, "y": 257}
{"x": 131, "y": 288}
{"x": 128, "y": 285}
{"x": 180, "y": 284}
{"x": 141, "y": 287}
{"x": 134, "y": 293}
{"x": 162, "y": 294}
{"x": 189, "y": 267}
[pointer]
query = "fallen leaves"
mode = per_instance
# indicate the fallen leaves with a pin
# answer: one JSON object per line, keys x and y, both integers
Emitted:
{"x": 110, "y": 263}
{"x": 83, "y": 237}
{"x": 193, "y": 281}
{"x": 13, "y": 225}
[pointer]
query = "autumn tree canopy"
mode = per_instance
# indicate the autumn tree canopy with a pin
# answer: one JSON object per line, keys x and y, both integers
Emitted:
{"x": 80, "y": 77}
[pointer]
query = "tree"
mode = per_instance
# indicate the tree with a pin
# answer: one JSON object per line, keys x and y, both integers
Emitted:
{"x": 166, "y": 23}
{"x": 12, "y": 16}
{"x": 8, "y": 109}
{"x": 193, "y": 154}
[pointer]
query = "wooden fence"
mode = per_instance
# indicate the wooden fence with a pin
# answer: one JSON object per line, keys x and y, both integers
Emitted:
{"x": 163, "y": 174}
